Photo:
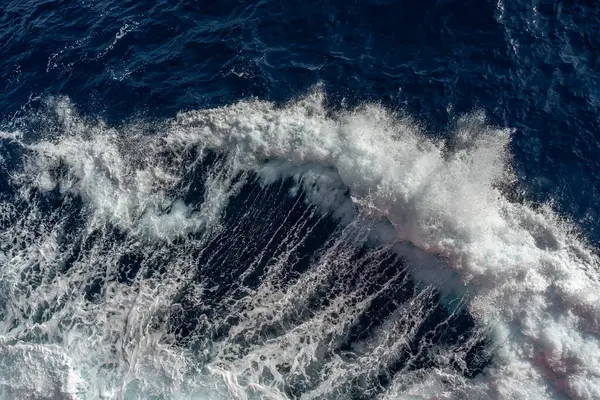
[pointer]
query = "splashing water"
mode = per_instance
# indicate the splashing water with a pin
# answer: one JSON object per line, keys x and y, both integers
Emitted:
{"x": 256, "y": 251}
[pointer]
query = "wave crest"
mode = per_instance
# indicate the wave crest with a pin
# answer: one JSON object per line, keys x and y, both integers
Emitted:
{"x": 520, "y": 270}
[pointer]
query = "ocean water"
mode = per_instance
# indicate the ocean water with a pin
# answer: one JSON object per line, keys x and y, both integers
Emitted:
{"x": 291, "y": 200}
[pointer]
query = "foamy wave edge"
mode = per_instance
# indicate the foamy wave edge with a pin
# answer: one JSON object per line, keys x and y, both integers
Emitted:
{"x": 526, "y": 276}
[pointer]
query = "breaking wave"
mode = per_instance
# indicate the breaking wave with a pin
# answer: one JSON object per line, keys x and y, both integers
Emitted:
{"x": 263, "y": 251}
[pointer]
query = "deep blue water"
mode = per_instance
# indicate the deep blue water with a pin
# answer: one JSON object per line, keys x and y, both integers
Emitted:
{"x": 531, "y": 66}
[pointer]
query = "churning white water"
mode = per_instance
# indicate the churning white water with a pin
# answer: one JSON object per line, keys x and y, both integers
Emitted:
{"x": 259, "y": 251}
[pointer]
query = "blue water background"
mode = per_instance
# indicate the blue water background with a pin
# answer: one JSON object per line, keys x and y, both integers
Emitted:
{"x": 529, "y": 65}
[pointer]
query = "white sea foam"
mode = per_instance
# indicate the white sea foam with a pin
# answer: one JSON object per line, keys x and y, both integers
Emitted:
{"x": 521, "y": 271}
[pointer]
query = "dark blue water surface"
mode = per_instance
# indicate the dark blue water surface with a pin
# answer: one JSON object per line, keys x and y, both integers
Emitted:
{"x": 529, "y": 65}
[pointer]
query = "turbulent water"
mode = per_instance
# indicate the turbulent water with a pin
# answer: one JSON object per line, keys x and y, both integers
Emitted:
{"x": 237, "y": 201}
